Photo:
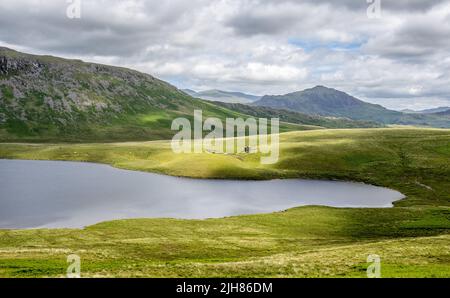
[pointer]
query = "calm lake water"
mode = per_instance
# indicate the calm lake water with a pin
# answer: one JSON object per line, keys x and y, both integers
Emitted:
{"x": 52, "y": 194}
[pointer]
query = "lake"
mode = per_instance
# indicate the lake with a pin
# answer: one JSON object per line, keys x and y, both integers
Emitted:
{"x": 55, "y": 194}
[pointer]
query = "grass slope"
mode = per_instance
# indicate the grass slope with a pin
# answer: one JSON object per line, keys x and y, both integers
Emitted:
{"x": 412, "y": 239}
{"x": 302, "y": 242}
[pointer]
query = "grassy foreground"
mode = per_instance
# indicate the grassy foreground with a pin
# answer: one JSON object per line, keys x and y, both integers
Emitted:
{"x": 413, "y": 239}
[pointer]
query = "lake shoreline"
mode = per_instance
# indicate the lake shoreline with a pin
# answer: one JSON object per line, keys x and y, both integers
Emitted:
{"x": 306, "y": 241}
{"x": 56, "y": 183}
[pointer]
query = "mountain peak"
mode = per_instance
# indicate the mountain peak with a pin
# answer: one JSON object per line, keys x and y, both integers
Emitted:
{"x": 324, "y": 101}
{"x": 321, "y": 89}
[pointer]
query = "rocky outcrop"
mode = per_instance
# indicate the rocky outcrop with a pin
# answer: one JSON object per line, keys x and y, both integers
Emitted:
{"x": 10, "y": 66}
{"x": 48, "y": 91}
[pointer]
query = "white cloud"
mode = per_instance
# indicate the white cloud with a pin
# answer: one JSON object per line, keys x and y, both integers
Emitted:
{"x": 272, "y": 73}
{"x": 259, "y": 46}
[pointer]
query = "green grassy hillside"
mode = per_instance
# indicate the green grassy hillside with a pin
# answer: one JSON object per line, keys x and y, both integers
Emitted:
{"x": 46, "y": 99}
{"x": 412, "y": 238}
{"x": 302, "y": 242}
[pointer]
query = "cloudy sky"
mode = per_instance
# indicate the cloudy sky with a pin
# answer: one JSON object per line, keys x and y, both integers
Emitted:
{"x": 400, "y": 59}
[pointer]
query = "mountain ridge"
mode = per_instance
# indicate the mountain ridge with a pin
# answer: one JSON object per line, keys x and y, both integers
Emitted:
{"x": 427, "y": 111}
{"x": 46, "y": 98}
{"x": 329, "y": 102}
{"x": 325, "y": 101}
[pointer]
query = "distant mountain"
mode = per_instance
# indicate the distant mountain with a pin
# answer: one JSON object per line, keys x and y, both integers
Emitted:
{"x": 298, "y": 118}
{"x": 427, "y": 111}
{"x": 189, "y": 92}
{"x": 409, "y": 111}
{"x": 223, "y": 96}
{"x": 329, "y": 102}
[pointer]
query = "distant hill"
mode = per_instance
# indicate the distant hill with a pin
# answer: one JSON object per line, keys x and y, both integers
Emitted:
{"x": 189, "y": 92}
{"x": 223, "y": 96}
{"x": 329, "y": 102}
{"x": 445, "y": 113}
{"x": 427, "y": 111}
